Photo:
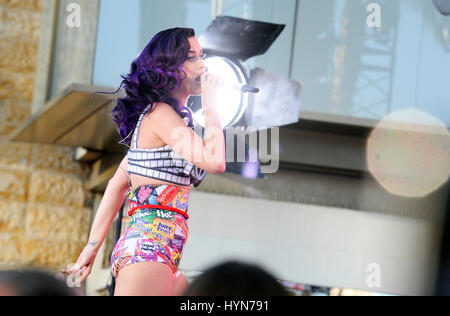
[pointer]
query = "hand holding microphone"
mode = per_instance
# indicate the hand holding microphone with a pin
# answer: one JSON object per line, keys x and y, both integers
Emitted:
{"x": 211, "y": 82}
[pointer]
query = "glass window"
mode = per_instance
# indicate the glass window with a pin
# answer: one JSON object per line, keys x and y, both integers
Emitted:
{"x": 349, "y": 68}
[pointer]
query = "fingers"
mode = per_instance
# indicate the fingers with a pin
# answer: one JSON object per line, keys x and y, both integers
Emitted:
{"x": 76, "y": 267}
{"x": 209, "y": 78}
{"x": 68, "y": 269}
{"x": 205, "y": 78}
{"x": 83, "y": 273}
{"x": 209, "y": 87}
{"x": 73, "y": 268}
{"x": 78, "y": 274}
{"x": 214, "y": 79}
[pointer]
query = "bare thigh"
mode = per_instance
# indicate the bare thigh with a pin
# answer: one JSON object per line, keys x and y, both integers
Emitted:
{"x": 179, "y": 285}
{"x": 144, "y": 279}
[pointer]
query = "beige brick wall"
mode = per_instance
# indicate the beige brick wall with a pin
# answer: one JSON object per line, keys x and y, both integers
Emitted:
{"x": 19, "y": 41}
{"x": 45, "y": 207}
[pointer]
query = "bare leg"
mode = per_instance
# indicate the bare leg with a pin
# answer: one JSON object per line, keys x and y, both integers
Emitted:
{"x": 179, "y": 285}
{"x": 144, "y": 279}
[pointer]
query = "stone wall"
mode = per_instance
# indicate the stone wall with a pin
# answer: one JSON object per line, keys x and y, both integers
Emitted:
{"x": 19, "y": 41}
{"x": 45, "y": 207}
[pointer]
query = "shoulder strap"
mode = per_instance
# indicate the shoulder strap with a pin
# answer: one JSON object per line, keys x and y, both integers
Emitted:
{"x": 134, "y": 140}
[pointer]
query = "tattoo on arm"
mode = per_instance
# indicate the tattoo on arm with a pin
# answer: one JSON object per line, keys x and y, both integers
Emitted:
{"x": 93, "y": 243}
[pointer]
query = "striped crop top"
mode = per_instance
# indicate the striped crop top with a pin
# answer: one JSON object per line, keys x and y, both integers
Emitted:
{"x": 161, "y": 163}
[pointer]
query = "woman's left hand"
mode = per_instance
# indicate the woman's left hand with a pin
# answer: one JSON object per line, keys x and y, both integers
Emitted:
{"x": 83, "y": 266}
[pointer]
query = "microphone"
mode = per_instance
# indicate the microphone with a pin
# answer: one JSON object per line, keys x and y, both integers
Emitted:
{"x": 243, "y": 87}
{"x": 239, "y": 86}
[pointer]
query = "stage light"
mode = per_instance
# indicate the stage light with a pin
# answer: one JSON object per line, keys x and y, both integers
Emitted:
{"x": 267, "y": 100}
{"x": 227, "y": 42}
{"x": 250, "y": 98}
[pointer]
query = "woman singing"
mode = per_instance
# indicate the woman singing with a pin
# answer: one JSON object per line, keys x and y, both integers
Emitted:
{"x": 165, "y": 157}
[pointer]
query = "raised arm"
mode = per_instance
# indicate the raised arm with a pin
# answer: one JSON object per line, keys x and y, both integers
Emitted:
{"x": 208, "y": 154}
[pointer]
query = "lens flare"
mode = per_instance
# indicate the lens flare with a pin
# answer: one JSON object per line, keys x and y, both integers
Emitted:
{"x": 408, "y": 153}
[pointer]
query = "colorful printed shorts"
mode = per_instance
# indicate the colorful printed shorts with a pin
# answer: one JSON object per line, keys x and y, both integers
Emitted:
{"x": 157, "y": 229}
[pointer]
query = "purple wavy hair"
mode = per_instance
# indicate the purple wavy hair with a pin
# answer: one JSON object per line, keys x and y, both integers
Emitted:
{"x": 154, "y": 74}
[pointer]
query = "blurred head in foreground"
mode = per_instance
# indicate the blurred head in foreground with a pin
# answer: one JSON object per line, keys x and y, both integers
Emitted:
{"x": 234, "y": 278}
{"x": 33, "y": 283}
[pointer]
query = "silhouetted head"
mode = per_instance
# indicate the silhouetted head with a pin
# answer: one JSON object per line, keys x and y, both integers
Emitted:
{"x": 33, "y": 283}
{"x": 234, "y": 278}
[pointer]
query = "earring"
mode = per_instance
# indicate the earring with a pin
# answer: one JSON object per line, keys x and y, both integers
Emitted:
{"x": 172, "y": 83}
